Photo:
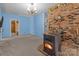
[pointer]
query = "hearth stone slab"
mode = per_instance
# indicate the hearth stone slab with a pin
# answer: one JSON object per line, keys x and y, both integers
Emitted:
{"x": 68, "y": 48}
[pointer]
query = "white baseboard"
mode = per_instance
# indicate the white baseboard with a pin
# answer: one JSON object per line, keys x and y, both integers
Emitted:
{"x": 14, "y": 37}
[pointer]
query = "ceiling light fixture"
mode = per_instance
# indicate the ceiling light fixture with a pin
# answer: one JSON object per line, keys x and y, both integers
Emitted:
{"x": 31, "y": 9}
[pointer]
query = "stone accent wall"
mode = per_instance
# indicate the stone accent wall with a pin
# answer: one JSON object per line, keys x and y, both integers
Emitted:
{"x": 64, "y": 19}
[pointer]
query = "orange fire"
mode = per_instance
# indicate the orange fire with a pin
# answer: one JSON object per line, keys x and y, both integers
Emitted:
{"x": 48, "y": 46}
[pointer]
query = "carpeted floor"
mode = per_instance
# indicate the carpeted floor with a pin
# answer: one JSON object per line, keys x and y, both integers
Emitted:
{"x": 21, "y": 46}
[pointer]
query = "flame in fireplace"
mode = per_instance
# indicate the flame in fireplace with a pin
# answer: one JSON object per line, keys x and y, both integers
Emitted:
{"x": 48, "y": 46}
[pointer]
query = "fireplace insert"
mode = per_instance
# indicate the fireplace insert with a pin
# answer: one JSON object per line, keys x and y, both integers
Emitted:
{"x": 51, "y": 45}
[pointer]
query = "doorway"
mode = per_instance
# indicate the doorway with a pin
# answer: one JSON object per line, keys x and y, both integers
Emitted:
{"x": 14, "y": 27}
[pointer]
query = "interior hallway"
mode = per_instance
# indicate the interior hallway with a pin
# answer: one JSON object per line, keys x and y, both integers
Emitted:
{"x": 21, "y": 46}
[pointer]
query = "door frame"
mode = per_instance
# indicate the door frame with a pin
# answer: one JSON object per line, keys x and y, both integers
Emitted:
{"x": 18, "y": 26}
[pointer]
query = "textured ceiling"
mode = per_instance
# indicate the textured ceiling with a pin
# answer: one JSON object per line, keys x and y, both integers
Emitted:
{"x": 20, "y": 8}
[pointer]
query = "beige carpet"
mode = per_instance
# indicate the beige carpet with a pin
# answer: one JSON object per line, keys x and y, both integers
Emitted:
{"x": 21, "y": 46}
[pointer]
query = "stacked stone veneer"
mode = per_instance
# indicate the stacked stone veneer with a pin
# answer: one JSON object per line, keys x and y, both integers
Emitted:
{"x": 65, "y": 18}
